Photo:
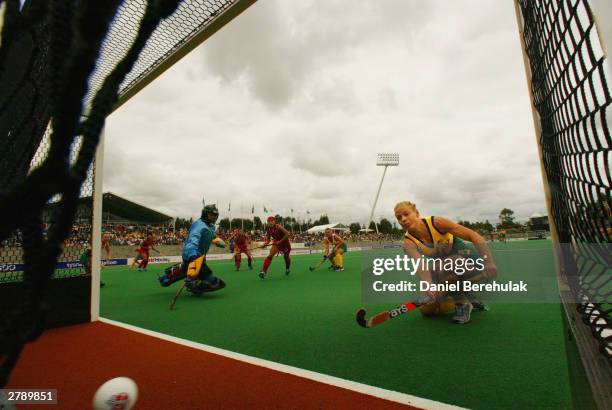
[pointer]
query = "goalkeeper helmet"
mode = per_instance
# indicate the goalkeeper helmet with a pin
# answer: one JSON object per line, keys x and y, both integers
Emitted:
{"x": 210, "y": 213}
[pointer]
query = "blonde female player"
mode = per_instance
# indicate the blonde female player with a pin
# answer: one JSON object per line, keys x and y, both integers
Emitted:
{"x": 438, "y": 237}
{"x": 338, "y": 248}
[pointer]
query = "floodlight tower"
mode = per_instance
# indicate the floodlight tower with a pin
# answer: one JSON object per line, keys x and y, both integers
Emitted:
{"x": 383, "y": 160}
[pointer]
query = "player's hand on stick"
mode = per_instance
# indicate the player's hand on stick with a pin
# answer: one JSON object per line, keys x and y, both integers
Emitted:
{"x": 489, "y": 271}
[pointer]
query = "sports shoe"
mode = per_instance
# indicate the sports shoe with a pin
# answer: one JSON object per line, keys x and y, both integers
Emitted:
{"x": 462, "y": 313}
{"x": 262, "y": 275}
{"x": 476, "y": 304}
{"x": 287, "y": 272}
{"x": 338, "y": 269}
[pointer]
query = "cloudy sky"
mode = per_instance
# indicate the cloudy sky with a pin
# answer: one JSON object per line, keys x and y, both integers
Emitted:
{"x": 288, "y": 105}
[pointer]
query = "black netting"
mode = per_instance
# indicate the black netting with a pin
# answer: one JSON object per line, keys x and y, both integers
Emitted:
{"x": 25, "y": 101}
{"x": 63, "y": 66}
{"x": 573, "y": 99}
{"x": 188, "y": 20}
{"x": 78, "y": 242}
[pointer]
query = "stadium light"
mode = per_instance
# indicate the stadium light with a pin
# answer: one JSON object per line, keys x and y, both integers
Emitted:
{"x": 383, "y": 160}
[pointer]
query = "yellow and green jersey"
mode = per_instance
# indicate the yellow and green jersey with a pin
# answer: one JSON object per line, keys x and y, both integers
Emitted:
{"x": 442, "y": 244}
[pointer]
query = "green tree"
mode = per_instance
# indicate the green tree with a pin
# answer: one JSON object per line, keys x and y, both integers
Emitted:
{"x": 323, "y": 220}
{"x": 467, "y": 224}
{"x": 385, "y": 226}
{"x": 258, "y": 224}
{"x": 278, "y": 218}
{"x": 372, "y": 226}
{"x": 506, "y": 217}
{"x": 354, "y": 227}
{"x": 182, "y": 223}
{"x": 224, "y": 224}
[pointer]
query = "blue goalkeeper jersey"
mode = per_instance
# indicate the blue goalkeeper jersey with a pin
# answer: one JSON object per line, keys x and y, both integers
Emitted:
{"x": 198, "y": 241}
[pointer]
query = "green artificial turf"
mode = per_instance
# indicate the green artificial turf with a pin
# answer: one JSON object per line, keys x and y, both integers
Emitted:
{"x": 512, "y": 356}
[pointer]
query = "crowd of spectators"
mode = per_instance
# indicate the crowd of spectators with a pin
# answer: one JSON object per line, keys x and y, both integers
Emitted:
{"x": 311, "y": 239}
{"x": 132, "y": 235}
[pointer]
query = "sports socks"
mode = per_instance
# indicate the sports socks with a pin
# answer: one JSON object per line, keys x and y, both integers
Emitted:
{"x": 338, "y": 260}
{"x": 266, "y": 264}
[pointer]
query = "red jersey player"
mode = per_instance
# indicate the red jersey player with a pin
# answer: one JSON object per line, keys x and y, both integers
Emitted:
{"x": 280, "y": 244}
{"x": 241, "y": 241}
{"x": 143, "y": 251}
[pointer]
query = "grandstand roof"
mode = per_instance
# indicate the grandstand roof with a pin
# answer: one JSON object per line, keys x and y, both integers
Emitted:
{"x": 118, "y": 209}
{"x": 334, "y": 227}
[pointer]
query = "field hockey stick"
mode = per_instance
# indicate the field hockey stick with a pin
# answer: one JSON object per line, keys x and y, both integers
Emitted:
{"x": 318, "y": 265}
{"x": 406, "y": 307}
{"x": 382, "y": 317}
{"x": 259, "y": 247}
{"x": 177, "y": 296}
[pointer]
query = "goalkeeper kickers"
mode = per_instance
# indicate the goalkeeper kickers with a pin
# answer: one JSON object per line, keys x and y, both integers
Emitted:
{"x": 172, "y": 274}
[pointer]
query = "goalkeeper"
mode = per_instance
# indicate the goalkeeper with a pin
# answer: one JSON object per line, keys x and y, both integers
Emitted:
{"x": 200, "y": 277}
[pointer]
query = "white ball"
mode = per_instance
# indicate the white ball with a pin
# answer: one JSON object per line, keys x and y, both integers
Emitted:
{"x": 120, "y": 391}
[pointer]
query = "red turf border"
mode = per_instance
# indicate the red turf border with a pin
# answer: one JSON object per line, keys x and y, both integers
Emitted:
{"x": 77, "y": 359}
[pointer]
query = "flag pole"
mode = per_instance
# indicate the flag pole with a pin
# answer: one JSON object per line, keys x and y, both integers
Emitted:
{"x": 253, "y": 216}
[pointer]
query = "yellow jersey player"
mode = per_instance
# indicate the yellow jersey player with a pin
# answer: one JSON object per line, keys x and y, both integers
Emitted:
{"x": 334, "y": 249}
{"x": 438, "y": 237}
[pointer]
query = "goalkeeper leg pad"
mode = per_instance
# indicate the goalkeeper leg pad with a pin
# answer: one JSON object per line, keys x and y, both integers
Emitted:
{"x": 172, "y": 274}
